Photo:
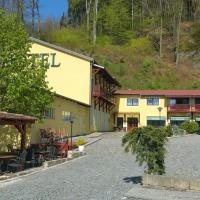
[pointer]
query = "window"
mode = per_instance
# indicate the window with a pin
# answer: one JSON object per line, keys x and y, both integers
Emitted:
{"x": 172, "y": 102}
{"x": 153, "y": 101}
{"x": 197, "y": 101}
{"x": 132, "y": 102}
{"x": 50, "y": 114}
{"x": 66, "y": 116}
{"x": 156, "y": 123}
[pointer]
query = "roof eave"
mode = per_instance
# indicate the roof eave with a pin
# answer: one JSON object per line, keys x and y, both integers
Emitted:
{"x": 64, "y": 50}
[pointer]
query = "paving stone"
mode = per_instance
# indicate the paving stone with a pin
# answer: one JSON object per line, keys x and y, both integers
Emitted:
{"x": 106, "y": 173}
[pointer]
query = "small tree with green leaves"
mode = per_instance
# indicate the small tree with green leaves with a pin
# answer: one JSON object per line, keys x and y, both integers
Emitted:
{"x": 23, "y": 88}
{"x": 148, "y": 144}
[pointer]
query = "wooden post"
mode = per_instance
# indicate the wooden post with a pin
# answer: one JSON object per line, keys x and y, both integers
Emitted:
{"x": 23, "y": 137}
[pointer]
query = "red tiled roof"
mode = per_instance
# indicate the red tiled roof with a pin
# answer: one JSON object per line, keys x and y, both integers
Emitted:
{"x": 171, "y": 93}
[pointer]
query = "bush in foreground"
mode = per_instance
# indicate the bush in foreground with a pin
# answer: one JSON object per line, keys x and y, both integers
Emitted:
{"x": 148, "y": 144}
{"x": 190, "y": 126}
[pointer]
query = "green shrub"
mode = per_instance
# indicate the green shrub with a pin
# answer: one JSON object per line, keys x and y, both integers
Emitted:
{"x": 190, "y": 126}
{"x": 80, "y": 141}
{"x": 168, "y": 130}
{"x": 177, "y": 130}
{"x": 148, "y": 144}
{"x": 140, "y": 45}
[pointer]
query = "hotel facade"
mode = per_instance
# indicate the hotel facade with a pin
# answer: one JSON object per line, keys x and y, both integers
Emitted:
{"x": 84, "y": 92}
{"x": 88, "y": 94}
{"x": 136, "y": 108}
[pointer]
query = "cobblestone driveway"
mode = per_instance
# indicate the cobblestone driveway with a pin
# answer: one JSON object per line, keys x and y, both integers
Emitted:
{"x": 183, "y": 158}
{"x": 105, "y": 174}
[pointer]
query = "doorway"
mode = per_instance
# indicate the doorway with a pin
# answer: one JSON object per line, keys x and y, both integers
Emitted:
{"x": 132, "y": 122}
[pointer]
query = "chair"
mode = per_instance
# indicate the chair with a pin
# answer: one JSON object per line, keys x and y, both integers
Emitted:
{"x": 30, "y": 158}
{"x": 44, "y": 136}
{"x": 10, "y": 148}
{"x": 51, "y": 152}
{"x": 18, "y": 164}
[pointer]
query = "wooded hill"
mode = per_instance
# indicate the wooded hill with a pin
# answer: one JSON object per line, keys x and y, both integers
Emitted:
{"x": 146, "y": 44}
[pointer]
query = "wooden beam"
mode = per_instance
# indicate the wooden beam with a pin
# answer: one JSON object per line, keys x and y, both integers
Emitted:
{"x": 22, "y": 129}
{"x": 23, "y": 137}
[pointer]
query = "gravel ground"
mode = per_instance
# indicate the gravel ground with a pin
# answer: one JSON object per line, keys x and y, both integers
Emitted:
{"x": 183, "y": 158}
{"x": 107, "y": 173}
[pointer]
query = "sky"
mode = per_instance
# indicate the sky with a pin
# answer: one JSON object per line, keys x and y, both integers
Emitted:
{"x": 52, "y": 8}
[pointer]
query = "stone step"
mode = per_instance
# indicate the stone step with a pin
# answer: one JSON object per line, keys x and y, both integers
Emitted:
{"x": 142, "y": 193}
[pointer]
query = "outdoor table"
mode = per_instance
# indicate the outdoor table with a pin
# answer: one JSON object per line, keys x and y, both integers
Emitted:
{"x": 6, "y": 158}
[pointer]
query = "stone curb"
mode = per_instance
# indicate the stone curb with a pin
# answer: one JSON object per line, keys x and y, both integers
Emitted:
{"x": 92, "y": 142}
{"x": 170, "y": 182}
{"x": 46, "y": 165}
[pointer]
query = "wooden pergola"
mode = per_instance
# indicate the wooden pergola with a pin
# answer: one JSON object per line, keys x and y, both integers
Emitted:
{"x": 19, "y": 121}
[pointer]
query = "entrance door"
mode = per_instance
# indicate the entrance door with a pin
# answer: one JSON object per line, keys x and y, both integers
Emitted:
{"x": 132, "y": 122}
{"x": 120, "y": 122}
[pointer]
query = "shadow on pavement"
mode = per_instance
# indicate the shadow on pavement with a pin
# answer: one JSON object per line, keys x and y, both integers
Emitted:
{"x": 134, "y": 180}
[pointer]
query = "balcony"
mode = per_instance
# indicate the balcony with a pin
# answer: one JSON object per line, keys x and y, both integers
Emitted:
{"x": 179, "y": 108}
{"x": 195, "y": 107}
{"x": 97, "y": 91}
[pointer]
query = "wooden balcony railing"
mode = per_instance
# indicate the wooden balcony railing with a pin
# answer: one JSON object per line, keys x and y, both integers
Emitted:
{"x": 184, "y": 108}
{"x": 195, "y": 107}
{"x": 97, "y": 91}
{"x": 179, "y": 108}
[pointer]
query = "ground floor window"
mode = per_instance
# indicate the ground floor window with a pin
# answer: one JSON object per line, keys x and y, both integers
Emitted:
{"x": 178, "y": 120}
{"x": 177, "y": 123}
{"x": 156, "y": 123}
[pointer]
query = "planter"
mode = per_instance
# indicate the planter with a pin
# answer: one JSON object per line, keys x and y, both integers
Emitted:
{"x": 81, "y": 148}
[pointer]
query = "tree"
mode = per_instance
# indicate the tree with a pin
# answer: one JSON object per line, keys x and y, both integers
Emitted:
{"x": 95, "y": 21}
{"x": 117, "y": 20}
{"x": 87, "y": 8}
{"x": 148, "y": 144}
{"x": 161, "y": 27}
{"x": 23, "y": 88}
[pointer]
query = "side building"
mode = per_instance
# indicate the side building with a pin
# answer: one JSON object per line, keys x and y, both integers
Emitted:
{"x": 136, "y": 108}
{"x": 83, "y": 92}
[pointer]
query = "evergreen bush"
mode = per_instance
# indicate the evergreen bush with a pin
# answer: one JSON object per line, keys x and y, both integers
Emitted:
{"x": 148, "y": 144}
{"x": 168, "y": 130}
{"x": 190, "y": 126}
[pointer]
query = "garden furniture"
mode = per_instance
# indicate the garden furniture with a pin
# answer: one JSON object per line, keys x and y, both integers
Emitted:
{"x": 18, "y": 164}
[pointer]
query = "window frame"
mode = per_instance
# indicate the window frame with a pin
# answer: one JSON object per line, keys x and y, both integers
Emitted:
{"x": 132, "y": 103}
{"x": 153, "y": 103}
{"x": 49, "y": 114}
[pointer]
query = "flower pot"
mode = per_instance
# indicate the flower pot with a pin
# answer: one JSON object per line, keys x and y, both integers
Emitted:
{"x": 81, "y": 148}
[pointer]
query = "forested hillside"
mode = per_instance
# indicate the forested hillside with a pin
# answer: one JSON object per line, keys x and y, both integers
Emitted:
{"x": 143, "y": 43}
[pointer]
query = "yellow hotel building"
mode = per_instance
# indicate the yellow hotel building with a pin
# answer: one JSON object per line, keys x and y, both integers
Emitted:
{"x": 84, "y": 91}
{"x": 87, "y": 93}
{"x": 155, "y": 107}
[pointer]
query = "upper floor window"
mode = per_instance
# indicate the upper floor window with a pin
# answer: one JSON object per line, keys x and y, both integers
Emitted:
{"x": 50, "y": 114}
{"x": 132, "y": 102}
{"x": 153, "y": 101}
